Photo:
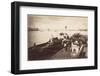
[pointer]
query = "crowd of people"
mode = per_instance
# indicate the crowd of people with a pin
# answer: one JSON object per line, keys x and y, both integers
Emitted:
{"x": 75, "y": 43}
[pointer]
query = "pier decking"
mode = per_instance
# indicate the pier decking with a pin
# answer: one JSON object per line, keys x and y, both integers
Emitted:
{"x": 47, "y": 52}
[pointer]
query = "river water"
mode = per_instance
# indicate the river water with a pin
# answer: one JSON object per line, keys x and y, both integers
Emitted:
{"x": 40, "y": 37}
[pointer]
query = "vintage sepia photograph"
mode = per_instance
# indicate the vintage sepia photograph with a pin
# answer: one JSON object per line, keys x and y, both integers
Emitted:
{"x": 48, "y": 37}
{"x": 57, "y": 37}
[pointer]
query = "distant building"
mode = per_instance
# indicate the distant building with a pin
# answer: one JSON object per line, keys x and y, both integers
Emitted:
{"x": 33, "y": 29}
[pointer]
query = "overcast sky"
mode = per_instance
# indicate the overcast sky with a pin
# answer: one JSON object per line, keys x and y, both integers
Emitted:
{"x": 57, "y": 22}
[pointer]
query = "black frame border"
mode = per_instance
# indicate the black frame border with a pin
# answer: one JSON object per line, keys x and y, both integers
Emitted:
{"x": 15, "y": 35}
